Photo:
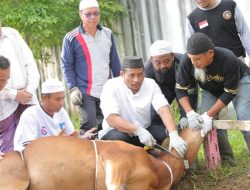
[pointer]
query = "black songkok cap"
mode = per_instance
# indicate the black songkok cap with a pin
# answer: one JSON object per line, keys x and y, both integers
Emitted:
{"x": 132, "y": 62}
{"x": 199, "y": 43}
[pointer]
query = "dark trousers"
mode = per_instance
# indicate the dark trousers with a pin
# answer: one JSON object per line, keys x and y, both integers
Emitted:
{"x": 90, "y": 113}
{"x": 157, "y": 131}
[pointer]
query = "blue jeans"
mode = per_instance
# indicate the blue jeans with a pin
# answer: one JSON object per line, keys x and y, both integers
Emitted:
{"x": 241, "y": 104}
{"x": 241, "y": 101}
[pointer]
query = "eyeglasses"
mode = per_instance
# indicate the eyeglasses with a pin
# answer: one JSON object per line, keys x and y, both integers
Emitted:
{"x": 90, "y": 15}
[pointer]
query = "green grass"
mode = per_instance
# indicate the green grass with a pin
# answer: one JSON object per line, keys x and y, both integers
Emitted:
{"x": 224, "y": 174}
{"x": 75, "y": 120}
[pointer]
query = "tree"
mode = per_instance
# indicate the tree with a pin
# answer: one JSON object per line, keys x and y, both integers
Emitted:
{"x": 43, "y": 23}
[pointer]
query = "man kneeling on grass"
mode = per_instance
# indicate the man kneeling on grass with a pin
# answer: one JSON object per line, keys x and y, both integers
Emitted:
{"x": 126, "y": 103}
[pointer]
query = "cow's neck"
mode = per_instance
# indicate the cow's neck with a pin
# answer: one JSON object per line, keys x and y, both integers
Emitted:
{"x": 194, "y": 140}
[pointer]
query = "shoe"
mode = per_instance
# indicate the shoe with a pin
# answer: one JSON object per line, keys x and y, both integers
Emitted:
{"x": 247, "y": 140}
{"x": 228, "y": 162}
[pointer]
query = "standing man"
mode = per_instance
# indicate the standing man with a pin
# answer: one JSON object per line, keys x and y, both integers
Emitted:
{"x": 47, "y": 119}
{"x": 162, "y": 67}
{"x": 4, "y": 76}
{"x": 89, "y": 58}
{"x": 126, "y": 103}
{"x": 223, "y": 78}
{"x": 20, "y": 91}
{"x": 223, "y": 22}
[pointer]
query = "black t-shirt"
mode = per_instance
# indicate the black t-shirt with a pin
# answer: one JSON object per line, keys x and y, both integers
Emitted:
{"x": 219, "y": 24}
{"x": 168, "y": 85}
{"x": 222, "y": 75}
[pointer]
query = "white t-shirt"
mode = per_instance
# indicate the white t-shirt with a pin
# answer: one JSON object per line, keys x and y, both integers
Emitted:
{"x": 117, "y": 98}
{"x": 35, "y": 123}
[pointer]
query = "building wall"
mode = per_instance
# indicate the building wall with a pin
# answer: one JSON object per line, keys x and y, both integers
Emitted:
{"x": 150, "y": 20}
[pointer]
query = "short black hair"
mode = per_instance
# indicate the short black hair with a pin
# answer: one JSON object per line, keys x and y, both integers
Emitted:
{"x": 4, "y": 63}
{"x": 199, "y": 43}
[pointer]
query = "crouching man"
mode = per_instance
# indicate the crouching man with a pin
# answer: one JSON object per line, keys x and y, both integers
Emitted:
{"x": 223, "y": 78}
{"x": 126, "y": 104}
{"x": 48, "y": 118}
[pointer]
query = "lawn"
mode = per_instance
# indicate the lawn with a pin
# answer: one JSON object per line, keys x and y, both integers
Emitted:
{"x": 225, "y": 177}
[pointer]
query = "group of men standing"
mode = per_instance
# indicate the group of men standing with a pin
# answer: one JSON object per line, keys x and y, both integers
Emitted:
{"x": 130, "y": 101}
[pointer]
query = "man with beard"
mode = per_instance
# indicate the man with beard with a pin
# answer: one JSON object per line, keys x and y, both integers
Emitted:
{"x": 126, "y": 102}
{"x": 223, "y": 22}
{"x": 223, "y": 78}
{"x": 162, "y": 67}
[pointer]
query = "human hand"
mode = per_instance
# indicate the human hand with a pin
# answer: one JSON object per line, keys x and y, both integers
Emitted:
{"x": 145, "y": 137}
{"x": 194, "y": 119}
{"x": 1, "y": 155}
{"x": 61, "y": 133}
{"x": 23, "y": 96}
{"x": 76, "y": 96}
{"x": 183, "y": 123}
{"x": 207, "y": 124}
{"x": 89, "y": 134}
{"x": 177, "y": 143}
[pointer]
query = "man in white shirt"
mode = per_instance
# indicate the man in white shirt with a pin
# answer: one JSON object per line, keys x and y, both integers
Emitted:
{"x": 20, "y": 91}
{"x": 4, "y": 76}
{"x": 47, "y": 119}
{"x": 126, "y": 103}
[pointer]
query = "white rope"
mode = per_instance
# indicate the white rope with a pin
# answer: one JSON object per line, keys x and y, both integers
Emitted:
{"x": 21, "y": 153}
{"x": 170, "y": 170}
{"x": 96, "y": 161}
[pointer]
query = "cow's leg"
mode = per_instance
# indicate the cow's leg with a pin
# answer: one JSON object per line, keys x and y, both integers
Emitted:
{"x": 123, "y": 174}
{"x": 116, "y": 175}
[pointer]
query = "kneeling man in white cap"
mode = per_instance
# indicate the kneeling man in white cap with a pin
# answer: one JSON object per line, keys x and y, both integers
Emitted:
{"x": 47, "y": 119}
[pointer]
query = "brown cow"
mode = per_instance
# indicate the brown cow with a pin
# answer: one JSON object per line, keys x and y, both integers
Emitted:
{"x": 13, "y": 173}
{"x": 70, "y": 163}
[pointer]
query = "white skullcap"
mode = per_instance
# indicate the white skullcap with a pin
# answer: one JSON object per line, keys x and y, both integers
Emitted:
{"x": 52, "y": 86}
{"x": 87, "y": 4}
{"x": 160, "y": 47}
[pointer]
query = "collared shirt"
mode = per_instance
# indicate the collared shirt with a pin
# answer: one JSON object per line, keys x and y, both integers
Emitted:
{"x": 23, "y": 70}
{"x": 117, "y": 98}
{"x": 88, "y": 62}
{"x": 35, "y": 123}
